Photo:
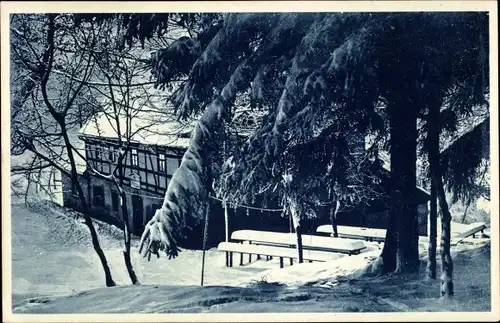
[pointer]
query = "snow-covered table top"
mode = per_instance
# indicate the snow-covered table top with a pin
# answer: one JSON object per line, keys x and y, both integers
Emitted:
{"x": 308, "y": 241}
{"x": 314, "y": 255}
{"x": 458, "y": 231}
{"x": 348, "y": 231}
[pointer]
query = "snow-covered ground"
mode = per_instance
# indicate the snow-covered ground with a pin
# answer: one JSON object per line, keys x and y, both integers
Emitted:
{"x": 55, "y": 270}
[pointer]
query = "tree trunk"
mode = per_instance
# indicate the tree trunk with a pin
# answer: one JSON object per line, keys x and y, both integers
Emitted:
{"x": 126, "y": 229}
{"x": 204, "y": 243}
{"x": 226, "y": 222}
{"x": 446, "y": 260}
{"x": 333, "y": 218}
{"x": 434, "y": 127}
{"x": 433, "y": 157}
{"x": 295, "y": 216}
{"x": 400, "y": 253}
{"x": 465, "y": 211}
{"x": 95, "y": 240}
{"x": 127, "y": 238}
{"x": 431, "y": 262}
{"x": 300, "y": 251}
{"x": 390, "y": 247}
{"x": 86, "y": 212}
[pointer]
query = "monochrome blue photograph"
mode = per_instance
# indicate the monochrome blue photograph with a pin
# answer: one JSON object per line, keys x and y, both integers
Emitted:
{"x": 252, "y": 162}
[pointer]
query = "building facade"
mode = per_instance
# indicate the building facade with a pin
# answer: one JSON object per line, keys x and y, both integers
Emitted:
{"x": 152, "y": 157}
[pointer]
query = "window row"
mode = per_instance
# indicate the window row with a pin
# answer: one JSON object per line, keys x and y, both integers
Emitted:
{"x": 110, "y": 154}
{"x": 102, "y": 153}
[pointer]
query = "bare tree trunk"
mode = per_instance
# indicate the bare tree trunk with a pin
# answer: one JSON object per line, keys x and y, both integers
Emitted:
{"x": 437, "y": 180}
{"x": 95, "y": 240}
{"x": 388, "y": 254}
{"x": 86, "y": 212}
{"x": 44, "y": 70}
{"x": 127, "y": 238}
{"x": 97, "y": 248}
{"x": 446, "y": 260}
{"x": 126, "y": 230}
{"x": 431, "y": 262}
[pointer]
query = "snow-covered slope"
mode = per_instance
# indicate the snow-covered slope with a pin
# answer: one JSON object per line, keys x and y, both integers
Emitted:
{"x": 56, "y": 271}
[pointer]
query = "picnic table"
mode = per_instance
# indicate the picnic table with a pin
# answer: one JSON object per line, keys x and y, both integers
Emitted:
{"x": 458, "y": 232}
{"x": 467, "y": 231}
{"x": 368, "y": 234}
{"x": 282, "y": 245}
{"x": 272, "y": 251}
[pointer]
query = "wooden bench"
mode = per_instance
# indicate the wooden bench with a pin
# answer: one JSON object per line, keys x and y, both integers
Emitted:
{"x": 272, "y": 251}
{"x": 471, "y": 230}
{"x": 311, "y": 242}
{"x": 289, "y": 240}
{"x": 371, "y": 234}
{"x": 360, "y": 233}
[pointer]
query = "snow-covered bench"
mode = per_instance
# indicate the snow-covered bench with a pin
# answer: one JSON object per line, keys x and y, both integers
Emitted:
{"x": 289, "y": 240}
{"x": 368, "y": 234}
{"x": 459, "y": 232}
{"x": 272, "y": 251}
{"x": 308, "y": 241}
{"x": 469, "y": 230}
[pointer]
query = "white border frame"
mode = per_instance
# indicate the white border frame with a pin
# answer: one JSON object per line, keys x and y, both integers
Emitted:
{"x": 241, "y": 6}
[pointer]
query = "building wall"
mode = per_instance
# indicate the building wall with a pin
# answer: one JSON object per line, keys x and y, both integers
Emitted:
{"x": 109, "y": 212}
{"x": 147, "y": 172}
{"x": 150, "y": 166}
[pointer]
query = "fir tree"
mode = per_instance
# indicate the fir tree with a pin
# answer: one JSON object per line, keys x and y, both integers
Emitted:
{"x": 301, "y": 68}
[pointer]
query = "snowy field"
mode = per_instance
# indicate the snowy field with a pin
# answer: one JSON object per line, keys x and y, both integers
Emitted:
{"x": 55, "y": 270}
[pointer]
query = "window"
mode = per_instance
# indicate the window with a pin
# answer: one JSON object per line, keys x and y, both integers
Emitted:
{"x": 172, "y": 165}
{"x": 97, "y": 152}
{"x": 98, "y": 196}
{"x": 161, "y": 163}
{"x": 112, "y": 154}
{"x": 114, "y": 201}
{"x": 134, "y": 158}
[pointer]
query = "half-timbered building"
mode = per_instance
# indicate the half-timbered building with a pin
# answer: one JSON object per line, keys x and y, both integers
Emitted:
{"x": 154, "y": 150}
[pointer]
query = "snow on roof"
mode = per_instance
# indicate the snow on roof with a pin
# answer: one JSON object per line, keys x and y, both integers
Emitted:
{"x": 154, "y": 123}
{"x": 146, "y": 120}
{"x": 144, "y": 129}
